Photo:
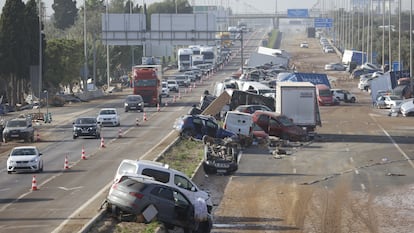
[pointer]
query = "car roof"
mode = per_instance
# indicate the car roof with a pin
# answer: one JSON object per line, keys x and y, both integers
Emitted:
{"x": 24, "y": 147}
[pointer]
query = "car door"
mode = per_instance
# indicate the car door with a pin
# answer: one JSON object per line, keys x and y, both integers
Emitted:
{"x": 275, "y": 128}
{"x": 163, "y": 199}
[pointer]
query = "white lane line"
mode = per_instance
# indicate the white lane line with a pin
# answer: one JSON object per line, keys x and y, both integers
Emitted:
{"x": 294, "y": 170}
{"x": 356, "y": 171}
{"x": 394, "y": 143}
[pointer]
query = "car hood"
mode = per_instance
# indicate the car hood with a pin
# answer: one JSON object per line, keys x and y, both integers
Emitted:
{"x": 107, "y": 115}
{"x": 14, "y": 128}
{"x": 85, "y": 125}
{"x": 22, "y": 158}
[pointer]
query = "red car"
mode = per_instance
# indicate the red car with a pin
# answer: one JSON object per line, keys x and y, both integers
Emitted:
{"x": 279, "y": 125}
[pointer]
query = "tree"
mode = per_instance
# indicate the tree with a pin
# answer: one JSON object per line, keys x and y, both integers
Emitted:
{"x": 65, "y": 13}
{"x": 63, "y": 63}
{"x": 13, "y": 41}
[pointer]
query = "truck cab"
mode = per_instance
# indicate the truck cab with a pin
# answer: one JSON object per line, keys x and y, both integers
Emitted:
{"x": 324, "y": 94}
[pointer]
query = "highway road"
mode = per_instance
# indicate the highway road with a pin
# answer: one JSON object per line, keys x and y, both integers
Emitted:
{"x": 356, "y": 177}
{"x": 67, "y": 199}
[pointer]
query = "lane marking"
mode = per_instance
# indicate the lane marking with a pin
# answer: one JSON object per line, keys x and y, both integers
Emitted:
{"x": 393, "y": 142}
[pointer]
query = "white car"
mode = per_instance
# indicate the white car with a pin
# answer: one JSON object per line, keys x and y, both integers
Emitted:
{"x": 173, "y": 85}
{"x": 108, "y": 116}
{"x": 304, "y": 45}
{"x": 343, "y": 95}
{"x": 407, "y": 108}
{"x": 387, "y": 101}
{"x": 24, "y": 158}
{"x": 165, "y": 89}
{"x": 335, "y": 66}
{"x": 162, "y": 173}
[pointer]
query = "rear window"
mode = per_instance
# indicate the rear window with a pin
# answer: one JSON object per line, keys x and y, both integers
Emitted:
{"x": 160, "y": 176}
{"x": 127, "y": 168}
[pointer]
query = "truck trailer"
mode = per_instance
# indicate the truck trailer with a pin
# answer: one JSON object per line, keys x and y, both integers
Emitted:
{"x": 298, "y": 101}
{"x": 147, "y": 83}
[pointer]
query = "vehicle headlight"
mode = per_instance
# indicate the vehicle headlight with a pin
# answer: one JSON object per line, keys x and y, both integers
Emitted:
{"x": 125, "y": 104}
{"x": 76, "y": 128}
{"x": 34, "y": 160}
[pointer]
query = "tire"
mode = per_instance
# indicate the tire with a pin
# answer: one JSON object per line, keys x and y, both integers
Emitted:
{"x": 284, "y": 136}
{"x": 126, "y": 109}
{"x": 32, "y": 139}
{"x": 9, "y": 172}
{"x": 353, "y": 100}
{"x": 40, "y": 169}
{"x": 208, "y": 169}
{"x": 187, "y": 133}
{"x": 74, "y": 137}
{"x": 5, "y": 140}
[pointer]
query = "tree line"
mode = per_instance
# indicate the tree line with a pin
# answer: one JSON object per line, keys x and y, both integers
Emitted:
{"x": 62, "y": 45}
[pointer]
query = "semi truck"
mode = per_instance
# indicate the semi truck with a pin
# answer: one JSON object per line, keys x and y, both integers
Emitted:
{"x": 184, "y": 59}
{"x": 147, "y": 83}
{"x": 298, "y": 101}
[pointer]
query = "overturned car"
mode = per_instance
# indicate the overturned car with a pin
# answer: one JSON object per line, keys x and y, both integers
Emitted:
{"x": 221, "y": 156}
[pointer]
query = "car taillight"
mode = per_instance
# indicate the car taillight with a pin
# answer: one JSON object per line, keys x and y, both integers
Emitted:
{"x": 137, "y": 195}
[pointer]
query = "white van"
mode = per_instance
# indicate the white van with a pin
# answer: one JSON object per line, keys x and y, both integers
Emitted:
{"x": 258, "y": 88}
{"x": 163, "y": 173}
{"x": 240, "y": 123}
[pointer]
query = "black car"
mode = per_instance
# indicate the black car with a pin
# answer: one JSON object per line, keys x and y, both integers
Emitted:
{"x": 18, "y": 129}
{"x": 134, "y": 102}
{"x": 141, "y": 198}
{"x": 86, "y": 126}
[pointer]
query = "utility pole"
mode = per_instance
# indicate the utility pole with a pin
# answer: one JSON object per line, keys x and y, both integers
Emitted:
{"x": 40, "y": 52}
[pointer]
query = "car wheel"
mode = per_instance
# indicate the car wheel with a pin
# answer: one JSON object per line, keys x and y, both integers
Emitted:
{"x": 5, "y": 140}
{"x": 142, "y": 109}
{"x": 284, "y": 136}
{"x": 32, "y": 138}
{"x": 208, "y": 169}
{"x": 353, "y": 100}
{"x": 74, "y": 137}
{"x": 187, "y": 133}
{"x": 41, "y": 168}
{"x": 98, "y": 136}
{"x": 126, "y": 109}
{"x": 9, "y": 172}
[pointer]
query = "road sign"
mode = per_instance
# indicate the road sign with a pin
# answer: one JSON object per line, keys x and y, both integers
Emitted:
{"x": 323, "y": 22}
{"x": 298, "y": 13}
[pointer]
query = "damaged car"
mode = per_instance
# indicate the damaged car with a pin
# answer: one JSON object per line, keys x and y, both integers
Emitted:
{"x": 143, "y": 199}
{"x": 196, "y": 126}
{"x": 220, "y": 155}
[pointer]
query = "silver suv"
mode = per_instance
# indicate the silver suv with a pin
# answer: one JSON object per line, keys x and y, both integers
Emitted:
{"x": 18, "y": 129}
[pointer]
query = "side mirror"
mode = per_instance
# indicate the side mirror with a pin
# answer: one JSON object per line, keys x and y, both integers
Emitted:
{"x": 40, "y": 153}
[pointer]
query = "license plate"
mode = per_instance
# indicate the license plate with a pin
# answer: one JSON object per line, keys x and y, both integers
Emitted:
{"x": 14, "y": 135}
{"x": 221, "y": 171}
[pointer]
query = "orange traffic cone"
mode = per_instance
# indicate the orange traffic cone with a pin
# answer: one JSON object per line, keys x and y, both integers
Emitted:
{"x": 34, "y": 184}
{"x": 83, "y": 153}
{"x": 120, "y": 132}
{"x": 66, "y": 165}
{"x": 179, "y": 95}
{"x": 145, "y": 116}
{"x": 158, "y": 107}
{"x": 102, "y": 142}
{"x": 175, "y": 99}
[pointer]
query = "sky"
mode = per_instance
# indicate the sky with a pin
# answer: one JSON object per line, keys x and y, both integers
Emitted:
{"x": 241, "y": 6}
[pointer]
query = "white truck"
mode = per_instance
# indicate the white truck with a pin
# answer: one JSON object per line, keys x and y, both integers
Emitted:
{"x": 298, "y": 101}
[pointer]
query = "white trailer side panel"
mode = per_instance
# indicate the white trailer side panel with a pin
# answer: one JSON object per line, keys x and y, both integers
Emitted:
{"x": 297, "y": 101}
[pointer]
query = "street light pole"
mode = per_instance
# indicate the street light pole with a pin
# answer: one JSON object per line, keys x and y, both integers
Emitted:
{"x": 40, "y": 51}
